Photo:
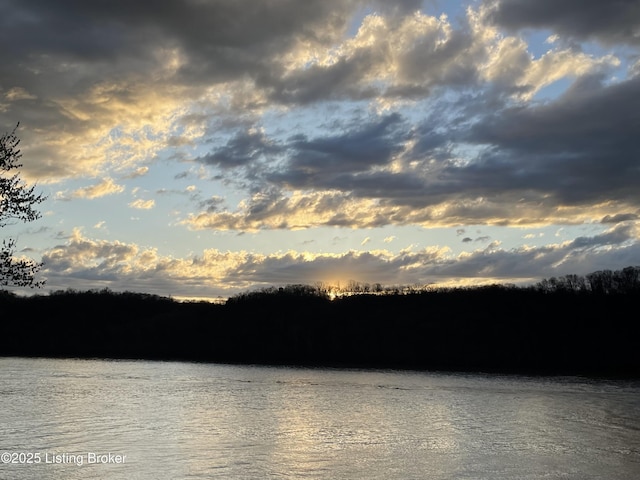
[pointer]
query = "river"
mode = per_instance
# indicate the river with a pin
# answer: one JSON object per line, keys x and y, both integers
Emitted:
{"x": 83, "y": 419}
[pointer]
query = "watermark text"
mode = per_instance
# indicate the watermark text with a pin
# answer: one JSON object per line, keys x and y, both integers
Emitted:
{"x": 57, "y": 458}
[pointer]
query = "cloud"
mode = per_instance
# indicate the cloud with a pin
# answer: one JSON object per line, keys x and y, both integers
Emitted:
{"x": 481, "y": 239}
{"x": 580, "y": 148}
{"x": 614, "y": 236}
{"x": 91, "y": 263}
{"x": 212, "y": 204}
{"x": 609, "y": 22}
{"x": 620, "y": 217}
{"x": 187, "y": 38}
{"x": 244, "y": 148}
{"x": 143, "y": 204}
{"x": 199, "y": 77}
{"x": 18, "y": 93}
{"x": 89, "y": 110}
{"x": 570, "y": 159}
{"x": 315, "y": 162}
{"x": 299, "y": 209}
{"x": 106, "y": 187}
{"x": 138, "y": 172}
{"x": 365, "y": 241}
{"x": 100, "y": 87}
{"x": 385, "y": 58}
{"x": 567, "y": 160}
{"x": 360, "y": 148}
{"x": 275, "y": 210}
{"x": 533, "y": 235}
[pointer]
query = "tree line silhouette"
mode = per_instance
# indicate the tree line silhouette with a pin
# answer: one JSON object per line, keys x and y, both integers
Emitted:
{"x": 566, "y": 325}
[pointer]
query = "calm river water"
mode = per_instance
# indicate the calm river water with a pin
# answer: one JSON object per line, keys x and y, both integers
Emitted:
{"x": 82, "y": 419}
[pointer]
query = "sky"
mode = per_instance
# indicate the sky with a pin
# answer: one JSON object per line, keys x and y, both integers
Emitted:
{"x": 200, "y": 148}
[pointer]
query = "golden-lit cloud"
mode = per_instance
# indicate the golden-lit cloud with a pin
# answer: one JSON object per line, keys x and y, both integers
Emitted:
{"x": 143, "y": 204}
{"x": 302, "y": 210}
{"x": 106, "y": 187}
{"x": 139, "y": 172}
{"x": 112, "y": 126}
{"x": 509, "y": 61}
{"x": 18, "y": 93}
{"x": 296, "y": 211}
{"x": 85, "y": 261}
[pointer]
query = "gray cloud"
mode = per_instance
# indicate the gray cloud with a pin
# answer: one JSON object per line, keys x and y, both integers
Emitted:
{"x": 211, "y": 204}
{"x": 481, "y": 239}
{"x": 336, "y": 161}
{"x": 620, "y": 217}
{"x": 580, "y": 148}
{"x": 321, "y": 161}
{"x": 241, "y": 150}
{"x": 610, "y": 22}
{"x": 615, "y": 236}
{"x": 223, "y": 38}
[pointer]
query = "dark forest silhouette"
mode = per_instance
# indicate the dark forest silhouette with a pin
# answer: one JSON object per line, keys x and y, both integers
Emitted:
{"x": 566, "y": 325}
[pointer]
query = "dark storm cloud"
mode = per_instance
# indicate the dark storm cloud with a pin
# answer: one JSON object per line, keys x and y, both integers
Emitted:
{"x": 615, "y": 21}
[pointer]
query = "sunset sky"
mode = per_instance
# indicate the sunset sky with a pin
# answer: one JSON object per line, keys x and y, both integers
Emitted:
{"x": 198, "y": 148}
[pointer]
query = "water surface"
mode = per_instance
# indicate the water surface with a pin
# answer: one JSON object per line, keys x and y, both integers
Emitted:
{"x": 171, "y": 420}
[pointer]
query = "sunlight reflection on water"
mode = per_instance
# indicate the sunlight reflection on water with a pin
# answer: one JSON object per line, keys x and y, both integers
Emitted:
{"x": 181, "y": 420}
